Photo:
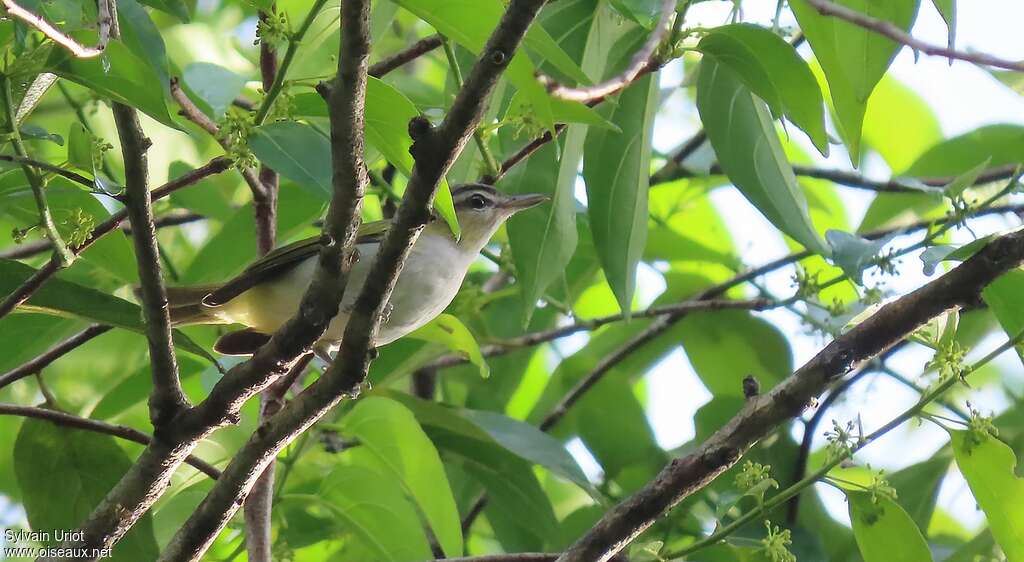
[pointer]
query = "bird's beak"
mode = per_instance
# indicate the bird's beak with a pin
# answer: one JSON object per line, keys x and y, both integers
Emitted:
{"x": 516, "y": 203}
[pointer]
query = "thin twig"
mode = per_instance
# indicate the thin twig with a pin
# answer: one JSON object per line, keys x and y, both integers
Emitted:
{"x": 61, "y": 250}
{"x": 191, "y": 111}
{"x": 36, "y": 247}
{"x": 640, "y": 60}
{"x": 294, "y": 41}
{"x": 542, "y": 336}
{"x": 895, "y": 33}
{"x": 905, "y": 416}
{"x": 258, "y": 509}
{"x": 33, "y": 283}
{"x": 62, "y": 39}
{"x": 167, "y": 398}
{"x": 490, "y": 163}
{"x": 47, "y": 167}
{"x": 411, "y": 53}
{"x": 121, "y": 431}
{"x": 853, "y": 179}
{"x": 44, "y": 359}
{"x": 762, "y": 414}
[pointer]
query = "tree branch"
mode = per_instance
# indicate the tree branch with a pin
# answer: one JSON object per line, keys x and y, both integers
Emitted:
{"x": 104, "y": 23}
{"x": 640, "y": 60}
{"x": 191, "y": 111}
{"x": 259, "y": 504}
{"x": 167, "y": 398}
{"x": 43, "y": 360}
{"x": 892, "y": 323}
{"x": 47, "y": 167}
{"x": 29, "y": 249}
{"x": 543, "y": 336}
{"x": 121, "y": 431}
{"x": 413, "y": 52}
{"x": 435, "y": 151}
{"x": 893, "y": 32}
{"x": 848, "y": 178}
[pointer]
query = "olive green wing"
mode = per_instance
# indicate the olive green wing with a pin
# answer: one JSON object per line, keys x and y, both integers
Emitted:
{"x": 282, "y": 260}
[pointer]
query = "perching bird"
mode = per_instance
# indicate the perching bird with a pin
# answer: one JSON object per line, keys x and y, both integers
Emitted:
{"x": 267, "y": 293}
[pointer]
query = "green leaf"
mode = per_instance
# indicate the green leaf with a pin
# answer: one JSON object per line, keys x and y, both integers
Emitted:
{"x": 1005, "y": 296}
{"x": 531, "y": 444}
{"x": 917, "y": 487}
{"x": 64, "y": 298}
{"x": 1003, "y": 144}
{"x": 947, "y": 9}
{"x": 177, "y": 8}
{"x": 616, "y": 169}
{"x": 118, "y": 74}
{"x": 772, "y": 69}
{"x": 451, "y": 332}
{"x": 935, "y": 255}
{"x": 643, "y": 12}
{"x": 375, "y": 510}
{"x": 854, "y": 59}
{"x": 66, "y": 199}
{"x": 80, "y": 148}
{"x": 965, "y": 180}
{"x": 64, "y": 473}
{"x": 884, "y": 532}
{"x": 29, "y": 82}
{"x": 392, "y": 434}
{"x": 854, "y": 254}
{"x": 748, "y": 148}
{"x": 562, "y": 110}
{"x": 894, "y": 106}
{"x": 141, "y": 36}
{"x": 470, "y": 22}
{"x": 544, "y": 238}
{"x": 34, "y": 132}
{"x": 1011, "y": 79}
{"x": 233, "y": 247}
{"x": 296, "y": 151}
{"x": 214, "y": 86}
{"x": 509, "y": 480}
{"x": 726, "y": 346}
{"x": 387, "y": 113}
{"x": 988, "y": 468}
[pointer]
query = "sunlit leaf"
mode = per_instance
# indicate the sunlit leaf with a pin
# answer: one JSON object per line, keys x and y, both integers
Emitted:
{"x": 854, "y": 58}
{"x": 65, "y": 473}
{"x": 615, "y": 168}
{"x": 64, "y": 298}
{"x": 748, "y": 148}
{"x": 215, "y": 87}
{"x": 118, "y": 74}
{"x": 884, "y": 531}
{"x": 392, "y": 434}
{"x": 374, "y": 509}
{"x": 988, "y": 466}
{"x": 451, "y": 332}
{"x": 773, "y": 70}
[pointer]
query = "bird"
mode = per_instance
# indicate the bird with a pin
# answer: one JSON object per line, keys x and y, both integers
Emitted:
{"x": 267, "y": 293}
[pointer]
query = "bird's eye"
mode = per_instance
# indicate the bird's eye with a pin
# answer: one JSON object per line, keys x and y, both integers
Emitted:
{"x": 477, "y": 202}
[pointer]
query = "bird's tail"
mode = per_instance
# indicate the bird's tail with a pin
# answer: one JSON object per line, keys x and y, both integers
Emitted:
{"x": 186, "y": 304}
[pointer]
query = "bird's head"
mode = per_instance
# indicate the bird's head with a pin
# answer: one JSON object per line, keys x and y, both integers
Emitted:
{"x": 482, "y": 209}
